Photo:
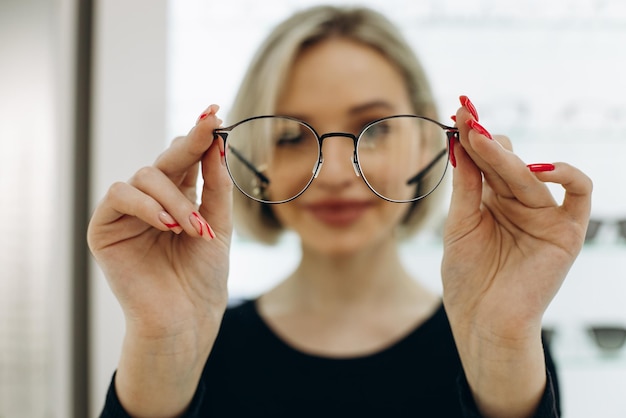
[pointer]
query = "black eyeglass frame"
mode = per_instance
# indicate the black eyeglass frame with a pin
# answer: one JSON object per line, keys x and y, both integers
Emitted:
{"x": 452, "y": 134}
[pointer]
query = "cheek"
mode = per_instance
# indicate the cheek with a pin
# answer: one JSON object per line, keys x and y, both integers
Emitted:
{"x": 390, "y": 175}
{"x": 290, "y": 169}
{"x": 286, "y": 183}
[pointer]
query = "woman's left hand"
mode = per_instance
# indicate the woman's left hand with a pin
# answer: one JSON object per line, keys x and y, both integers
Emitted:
{"x": 508, "y": 246}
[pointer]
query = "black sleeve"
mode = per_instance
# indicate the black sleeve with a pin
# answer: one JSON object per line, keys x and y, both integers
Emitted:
{"x": 113, "y": 408}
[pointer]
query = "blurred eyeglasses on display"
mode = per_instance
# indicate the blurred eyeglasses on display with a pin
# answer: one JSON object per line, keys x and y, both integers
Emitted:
{"x": 608, "y": 338}
{"x": 595, "y": 226}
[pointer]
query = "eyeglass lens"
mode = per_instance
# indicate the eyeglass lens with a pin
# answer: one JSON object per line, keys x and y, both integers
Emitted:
{"x": 274, "y": 159}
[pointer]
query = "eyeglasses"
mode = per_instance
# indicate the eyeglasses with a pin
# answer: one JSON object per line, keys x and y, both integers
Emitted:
{"x": 274, "y": 159}
{"x": 608, "y": 338}
{"x": 595, "y": 225}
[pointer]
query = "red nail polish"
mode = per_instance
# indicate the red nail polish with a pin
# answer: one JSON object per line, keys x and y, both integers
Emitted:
{"x": 197, "y": 223}
{"x": 540, "y": 167}
{"x": 210, "y": 231}
{"x": 467, "y": 103}
{"x": 202, "y": 117}
{"x": 452, "y": 156}
{"x": 170, "y": 222}
{"x": 200, "y": 225}
{"x": 453, "y": 117}
{"x": 478, "y": 128}
{"x": 222, "y": 153}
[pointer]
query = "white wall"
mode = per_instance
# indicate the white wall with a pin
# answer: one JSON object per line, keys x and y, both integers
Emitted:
{"x": 36, "y": 96}
{"x": 128, "y": 132}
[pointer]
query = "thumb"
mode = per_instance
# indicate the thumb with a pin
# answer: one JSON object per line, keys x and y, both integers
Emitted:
{"x": 467, "y": 189}
{"x": 217, "y": 188}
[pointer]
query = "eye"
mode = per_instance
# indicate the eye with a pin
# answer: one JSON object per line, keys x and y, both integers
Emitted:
{"x": 291, "y": 134}
{"x": 375, "y": 134}
{"x": 289, "y": 139}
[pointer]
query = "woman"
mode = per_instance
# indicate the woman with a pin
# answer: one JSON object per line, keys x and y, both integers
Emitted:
{"x": 349, "y": 332}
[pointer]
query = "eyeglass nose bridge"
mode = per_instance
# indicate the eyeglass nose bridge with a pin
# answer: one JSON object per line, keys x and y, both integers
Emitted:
{"x": 353, "y": 159}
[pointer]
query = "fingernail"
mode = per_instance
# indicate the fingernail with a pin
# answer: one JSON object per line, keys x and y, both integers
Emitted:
{"x": 540, "y": 167}
{"x": 453, "y": 117}
{"x": 467, "y": 103}
{"x": 202, "y": 117}
{"x": 452, "y": 156}
{"x": 222, "y": 149}
{"x": 170, "y": 222}
{"x": 211, "y": 110}
{"x": 478, "y": 128}
{"x": 202, "y": 227}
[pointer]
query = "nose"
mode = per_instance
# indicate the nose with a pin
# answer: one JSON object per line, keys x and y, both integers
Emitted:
{"x": 338, "y": 160}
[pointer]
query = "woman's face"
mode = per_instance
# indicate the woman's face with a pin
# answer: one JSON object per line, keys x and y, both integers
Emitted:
{"x": 339, "y": 85}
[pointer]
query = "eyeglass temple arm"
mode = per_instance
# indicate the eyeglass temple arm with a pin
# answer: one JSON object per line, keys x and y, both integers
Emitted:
{"x": 262, "y": 177}
{"x": 452, "y": 135}
{"x": 418, "y": 177}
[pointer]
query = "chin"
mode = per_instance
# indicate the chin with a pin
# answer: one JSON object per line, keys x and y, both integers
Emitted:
{"x": 342, "y": 243}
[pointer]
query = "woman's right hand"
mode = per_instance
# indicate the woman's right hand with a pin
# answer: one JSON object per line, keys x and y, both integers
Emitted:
{"x": 167, "y": 267}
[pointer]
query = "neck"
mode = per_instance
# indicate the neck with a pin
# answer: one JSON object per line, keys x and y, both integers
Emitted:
{"x": 369, "y": 277}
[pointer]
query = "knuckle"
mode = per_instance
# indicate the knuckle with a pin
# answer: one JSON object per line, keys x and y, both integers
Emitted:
{"x": 143, "y": 175}
{"x": 116, "y": 191}
{"x": 145, "y": 206}
{"x": 178, "y": 139}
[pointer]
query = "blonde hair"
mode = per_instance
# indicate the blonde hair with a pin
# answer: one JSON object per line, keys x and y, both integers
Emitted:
{"x": 264, "y": 82}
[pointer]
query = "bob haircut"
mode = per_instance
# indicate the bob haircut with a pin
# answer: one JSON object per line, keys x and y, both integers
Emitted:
{"x": 264, "y": 81}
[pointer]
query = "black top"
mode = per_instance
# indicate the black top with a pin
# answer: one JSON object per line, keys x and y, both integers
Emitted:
{"x": 251, "y": 372}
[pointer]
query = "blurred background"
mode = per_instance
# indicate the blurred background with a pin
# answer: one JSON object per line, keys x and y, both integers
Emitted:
{"x": 92, "y": 90}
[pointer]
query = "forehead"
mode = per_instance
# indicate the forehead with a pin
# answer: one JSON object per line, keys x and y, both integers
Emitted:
{"x": 340, "y": 72}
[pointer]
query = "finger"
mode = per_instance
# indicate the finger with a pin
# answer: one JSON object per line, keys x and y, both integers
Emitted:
{"x": 186, "y": 151}
{"x": 217, "y": 189}
{"x": 505, "y": 173}
{"x": 485, "y": 150}
{"x": 472, "y": 134}
{"x": 510, "y": 177}
{"x": 578, "y": 188}
{"x": 123, "y": 201}
{"x": 154, "y": 183}
{"x": 188, "y": 180}
{"x": 467, "y": 188}
{"x": 189, "y": 183}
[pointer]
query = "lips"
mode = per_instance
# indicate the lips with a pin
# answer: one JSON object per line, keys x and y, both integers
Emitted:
{"x": 338, "y": 213}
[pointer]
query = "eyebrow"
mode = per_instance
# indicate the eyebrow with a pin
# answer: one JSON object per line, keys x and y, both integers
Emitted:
{"x": 355, "y": 110}
{"x": 377, "y": 104}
